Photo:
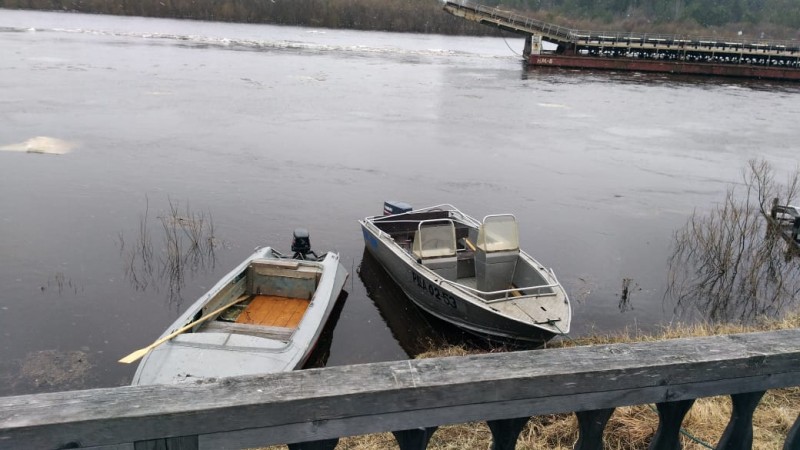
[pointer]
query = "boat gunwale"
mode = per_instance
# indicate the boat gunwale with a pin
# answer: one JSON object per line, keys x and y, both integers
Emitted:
{"x": 444, "y": 207}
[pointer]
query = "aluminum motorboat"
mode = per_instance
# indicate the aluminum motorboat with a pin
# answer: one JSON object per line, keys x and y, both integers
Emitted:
{"x": 470, "y": 273}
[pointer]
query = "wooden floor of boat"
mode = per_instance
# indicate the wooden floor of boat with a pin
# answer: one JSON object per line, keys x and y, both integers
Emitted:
{"x": 274, "y": 311}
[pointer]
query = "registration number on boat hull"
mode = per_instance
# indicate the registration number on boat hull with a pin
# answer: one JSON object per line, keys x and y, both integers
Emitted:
{"x": 433, "y": 290}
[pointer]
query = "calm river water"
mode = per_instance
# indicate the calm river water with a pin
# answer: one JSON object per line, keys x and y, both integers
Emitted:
{"x": 262, "y": 129}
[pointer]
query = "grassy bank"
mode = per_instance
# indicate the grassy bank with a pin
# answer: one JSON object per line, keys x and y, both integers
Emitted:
{"x": 630, "y": 427}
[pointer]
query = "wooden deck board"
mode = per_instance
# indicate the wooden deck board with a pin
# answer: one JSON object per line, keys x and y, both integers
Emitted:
{"x": 285, "y": 313}
{"x": 274, "y": 311}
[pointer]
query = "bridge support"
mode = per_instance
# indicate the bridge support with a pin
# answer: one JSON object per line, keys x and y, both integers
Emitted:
{"x": 533, "y": 45}
{"x": 527, "y": 50}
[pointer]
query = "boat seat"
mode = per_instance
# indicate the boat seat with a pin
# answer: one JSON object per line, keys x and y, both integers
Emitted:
{"x": 495, "y": 270}
{"x": 435, "y": 247}
{"x": 446, "y": 268}
{"x": 496, "y": 253}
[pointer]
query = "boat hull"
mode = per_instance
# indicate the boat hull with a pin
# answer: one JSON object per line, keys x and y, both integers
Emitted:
{"x": 442, "y": 300}
{"x": 662, "y": 66}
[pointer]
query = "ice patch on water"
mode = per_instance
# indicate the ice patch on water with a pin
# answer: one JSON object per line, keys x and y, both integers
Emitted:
{"x": 269, "y": 45}
{"x": 41, "y": 144}
{"x": 552, "y": 105}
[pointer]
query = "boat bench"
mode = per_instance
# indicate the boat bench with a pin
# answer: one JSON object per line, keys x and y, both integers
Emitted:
{"x": 282, "y": 278}
{"x": 279, "y": 333}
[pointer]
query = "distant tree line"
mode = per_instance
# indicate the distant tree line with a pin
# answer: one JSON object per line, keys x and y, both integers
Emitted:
{"x": 419, "y": 16}
{"x": 425, "y": 16}
{"x": 704, "y": 12}
{"x": 778, "y": 16}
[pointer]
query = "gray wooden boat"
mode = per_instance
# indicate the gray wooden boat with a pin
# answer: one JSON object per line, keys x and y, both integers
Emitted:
{"x": 470, "y": 273}
{"x": 266, "y": 315}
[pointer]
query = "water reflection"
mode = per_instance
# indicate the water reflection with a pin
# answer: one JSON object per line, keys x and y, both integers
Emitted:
{"x": 184, "y": 242}
{"x": 730, "y": 264}
{"x": 319, "y": 356}
{"x": 415, "y": 330}
{"x": 62, "y": 284}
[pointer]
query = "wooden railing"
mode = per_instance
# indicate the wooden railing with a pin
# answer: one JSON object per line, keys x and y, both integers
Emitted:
{"x": 411, "y": 398}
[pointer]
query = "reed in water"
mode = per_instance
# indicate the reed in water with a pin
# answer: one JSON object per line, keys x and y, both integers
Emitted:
{"x": 729, "y": 263}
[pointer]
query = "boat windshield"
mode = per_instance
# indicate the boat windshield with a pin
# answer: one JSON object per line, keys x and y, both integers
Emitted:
{"x": 435, "y": 240}
{"x": 498, "y": 233}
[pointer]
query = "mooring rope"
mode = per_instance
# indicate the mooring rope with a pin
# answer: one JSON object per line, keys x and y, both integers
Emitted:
{"x": 561, "y": 332}
{"x": 507, "y": 44}
{"x": 509, "y": 47}
{"x": 687, "y": 434}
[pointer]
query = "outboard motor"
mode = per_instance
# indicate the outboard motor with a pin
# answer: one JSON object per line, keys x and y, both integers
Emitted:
{"x": 392, "y": 207}
{"x": 301, "y": 244}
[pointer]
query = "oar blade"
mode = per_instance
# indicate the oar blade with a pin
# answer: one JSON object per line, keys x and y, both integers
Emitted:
{"x": 135, "y": 356}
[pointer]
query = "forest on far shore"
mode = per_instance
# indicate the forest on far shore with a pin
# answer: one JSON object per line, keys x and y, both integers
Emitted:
{"x": 771, "y": 19}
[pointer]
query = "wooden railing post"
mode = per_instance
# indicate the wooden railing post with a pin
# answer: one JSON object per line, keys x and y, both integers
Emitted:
{"x": 738, "y": 434}
{"x": 793, "y": 437}
{"x": 327, "y": 444}
{"x": 505, "y": 432}
{"x": 670, "y": 418}
{"x": 415, "y": 439}
{"x": 591, "y": 425}
{"x": 173, "y": 443}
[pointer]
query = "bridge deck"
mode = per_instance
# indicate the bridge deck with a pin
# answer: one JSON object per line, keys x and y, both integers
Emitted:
{"x": 615, "y": 43}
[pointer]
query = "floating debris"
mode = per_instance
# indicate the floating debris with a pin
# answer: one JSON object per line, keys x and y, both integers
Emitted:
{"x": 625, "y": 296}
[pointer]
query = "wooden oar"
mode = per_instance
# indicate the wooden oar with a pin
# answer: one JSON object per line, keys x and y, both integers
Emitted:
{"x": 471, "y": 247}
{"x": 143, "y": 351}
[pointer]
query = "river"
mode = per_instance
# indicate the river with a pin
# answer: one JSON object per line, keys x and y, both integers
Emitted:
{"x": 261, "y": 129}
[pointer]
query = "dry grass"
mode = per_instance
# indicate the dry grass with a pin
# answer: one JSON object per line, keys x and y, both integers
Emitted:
{"x": 629, "y": 428}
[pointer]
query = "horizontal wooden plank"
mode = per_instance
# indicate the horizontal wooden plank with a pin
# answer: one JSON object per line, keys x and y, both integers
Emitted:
{"x": 416, "y": 418}
{"x": 339, "y": 401}
{"x": 128, "y": 446}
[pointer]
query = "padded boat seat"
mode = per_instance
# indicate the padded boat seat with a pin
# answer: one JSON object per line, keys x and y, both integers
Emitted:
{"x": 446, "y": 268}
{"x": 435, "y": 247}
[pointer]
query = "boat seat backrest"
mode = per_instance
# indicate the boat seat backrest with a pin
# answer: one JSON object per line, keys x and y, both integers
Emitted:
{"x": 435, "y": 247}
{"x": 496, "y": 253}
{"x": 498, "y": 233}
